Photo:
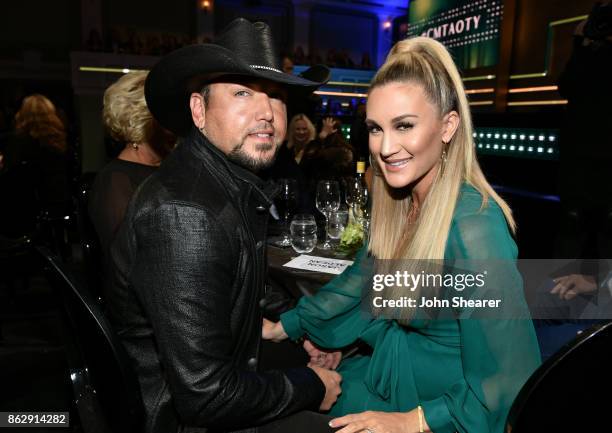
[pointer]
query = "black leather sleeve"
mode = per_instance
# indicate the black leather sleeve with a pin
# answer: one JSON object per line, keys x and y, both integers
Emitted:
{"x": 183, "y": 272}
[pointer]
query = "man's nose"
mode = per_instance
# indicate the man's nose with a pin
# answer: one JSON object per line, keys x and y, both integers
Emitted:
{"x": 264, "y": 107}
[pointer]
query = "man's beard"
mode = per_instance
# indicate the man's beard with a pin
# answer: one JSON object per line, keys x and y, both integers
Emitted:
{"x": 243, "y": 159}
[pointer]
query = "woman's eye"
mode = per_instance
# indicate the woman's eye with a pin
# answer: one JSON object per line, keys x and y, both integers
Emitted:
{"x": 404, "y": 126}
{"x": 373, "y": 129}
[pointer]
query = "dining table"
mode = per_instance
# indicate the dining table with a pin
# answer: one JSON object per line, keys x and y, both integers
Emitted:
{"x": 298, "y": 282}
{"x": 295, "y": 283}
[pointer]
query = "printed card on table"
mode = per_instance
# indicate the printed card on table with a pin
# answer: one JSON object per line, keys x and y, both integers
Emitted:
{"x": 319, "y": 264}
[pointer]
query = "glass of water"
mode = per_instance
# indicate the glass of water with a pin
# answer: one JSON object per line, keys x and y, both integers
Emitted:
{"x": 337, "y": 222}
{"x": 303, "y": 231}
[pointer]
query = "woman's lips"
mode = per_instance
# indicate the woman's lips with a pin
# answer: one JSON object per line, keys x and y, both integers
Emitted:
{"x": 396, "y": 164}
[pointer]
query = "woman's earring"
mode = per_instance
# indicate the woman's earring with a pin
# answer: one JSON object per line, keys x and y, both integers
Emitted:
{"x": 443, "y": 157}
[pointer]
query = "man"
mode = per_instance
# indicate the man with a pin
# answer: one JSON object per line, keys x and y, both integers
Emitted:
{"x": 190, "y": 256}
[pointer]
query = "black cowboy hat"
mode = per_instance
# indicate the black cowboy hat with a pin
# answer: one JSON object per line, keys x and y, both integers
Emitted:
{"x": 243, "y": 49}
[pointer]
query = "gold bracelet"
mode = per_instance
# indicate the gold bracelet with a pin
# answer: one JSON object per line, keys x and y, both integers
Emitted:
{"x": 420, "y": 411}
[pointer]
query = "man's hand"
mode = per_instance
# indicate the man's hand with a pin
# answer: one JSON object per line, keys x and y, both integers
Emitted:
{"x": 329, "y": 360}
{"x": 331, "y": 380}
{"x": 568, "y": 286}
{"x": 273, "y": 331}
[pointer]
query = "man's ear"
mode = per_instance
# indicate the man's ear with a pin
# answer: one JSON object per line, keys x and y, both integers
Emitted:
{"x": 451, "y": 123}
{"x": 198, "y": 110}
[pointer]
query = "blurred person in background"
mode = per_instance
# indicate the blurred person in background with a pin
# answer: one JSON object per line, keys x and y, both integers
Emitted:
{"x": 33, "y": 169}
{"x": 287, "y": 65}
{"x": 145, "y": 145}
{"x": 300, "y": 132}
{"x": 330, "y": 156}
{"x": 586, "y": 146}
{"x": 585, "y": 229}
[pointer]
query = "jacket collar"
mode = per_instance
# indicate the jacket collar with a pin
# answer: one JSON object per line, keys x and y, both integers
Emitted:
{"x": 204, "y": 149}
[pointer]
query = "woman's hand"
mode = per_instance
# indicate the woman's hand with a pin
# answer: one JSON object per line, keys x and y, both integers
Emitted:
{"x": 329, "y": 360}
{"x": 568, "y": 286}
{"x": 327, "y": 128}
{"x": 273, "y": 331}
{"x": 380, "y": 422}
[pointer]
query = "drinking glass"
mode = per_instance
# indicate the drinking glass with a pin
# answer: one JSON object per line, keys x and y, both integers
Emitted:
{"x": 337, "y": 222}
{"x": 328, "y": 201}
{"x": 303, "y": 231}
{"x": 356, "y": 197}
{"x": 286, "y": 202}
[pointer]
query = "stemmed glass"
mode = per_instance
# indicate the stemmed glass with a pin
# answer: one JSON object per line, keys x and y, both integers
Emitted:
{"x": 328, "y": 201}
{"x": 356, "y": 199}
{"x": 286, "y": 203}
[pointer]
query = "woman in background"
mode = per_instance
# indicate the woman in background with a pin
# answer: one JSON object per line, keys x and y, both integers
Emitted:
{"x": 431, "y": 202}
{"x": 146, "y": 144}
{"x": 301, "y": 131}
{"x": 33, "y": 173}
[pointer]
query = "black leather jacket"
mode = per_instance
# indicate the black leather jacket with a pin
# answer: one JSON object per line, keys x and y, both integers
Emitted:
{"x": 188, "y": 273}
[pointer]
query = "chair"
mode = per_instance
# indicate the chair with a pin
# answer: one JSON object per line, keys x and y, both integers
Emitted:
{"x": 570, "y": 392}
{"x": 90, "y": 244}
{"x": 107, "y": 394}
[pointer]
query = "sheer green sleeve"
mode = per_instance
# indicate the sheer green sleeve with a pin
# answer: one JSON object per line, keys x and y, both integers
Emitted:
{"x": 333, "y": 318}
{"x": 498, "y": 355}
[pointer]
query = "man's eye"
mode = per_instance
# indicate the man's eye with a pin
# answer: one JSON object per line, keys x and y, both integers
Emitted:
{"x": 280, "y": 96}
{"x": 242, "y": 93}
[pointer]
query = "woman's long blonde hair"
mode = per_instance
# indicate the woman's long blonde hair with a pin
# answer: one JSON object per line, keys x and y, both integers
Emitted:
{"x": 37, "y": 118}
{"x": 426, "y": 62}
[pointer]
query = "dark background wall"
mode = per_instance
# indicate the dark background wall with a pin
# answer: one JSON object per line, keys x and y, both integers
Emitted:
{"x": 343, "y": 29}
{"x": 146, "y": 15}
{"x": 530, "y": 34}
{"x": 51, "y": 28}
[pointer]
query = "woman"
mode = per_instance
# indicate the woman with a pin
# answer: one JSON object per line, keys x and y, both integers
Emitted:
{"x": 33, "y": 176}
{"x": 146, "y": 144}
{"x": 430, "y": 202}
{"x": 301, "y": 131}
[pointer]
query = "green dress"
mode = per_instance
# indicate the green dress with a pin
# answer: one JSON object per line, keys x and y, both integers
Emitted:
{"x": 464, "y": 373}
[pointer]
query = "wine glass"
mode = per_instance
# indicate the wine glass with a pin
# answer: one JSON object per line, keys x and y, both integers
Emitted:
{"x": 286, "y": 202}
{"x": 303, "y": 233}
{"x": 328, "y": 201}
{"x": 356, "y": 198}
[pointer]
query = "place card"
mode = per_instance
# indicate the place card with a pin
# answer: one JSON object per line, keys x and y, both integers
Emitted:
{"x": 319, "y": 264}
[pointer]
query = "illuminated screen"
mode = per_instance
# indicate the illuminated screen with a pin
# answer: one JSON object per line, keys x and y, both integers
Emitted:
{"x": 470, "y": 29}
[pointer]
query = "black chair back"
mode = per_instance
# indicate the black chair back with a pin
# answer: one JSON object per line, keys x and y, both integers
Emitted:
{"x": 107, "y": 394}
{"x": 90, "y": 244}
{"x": 570, "y": 392}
